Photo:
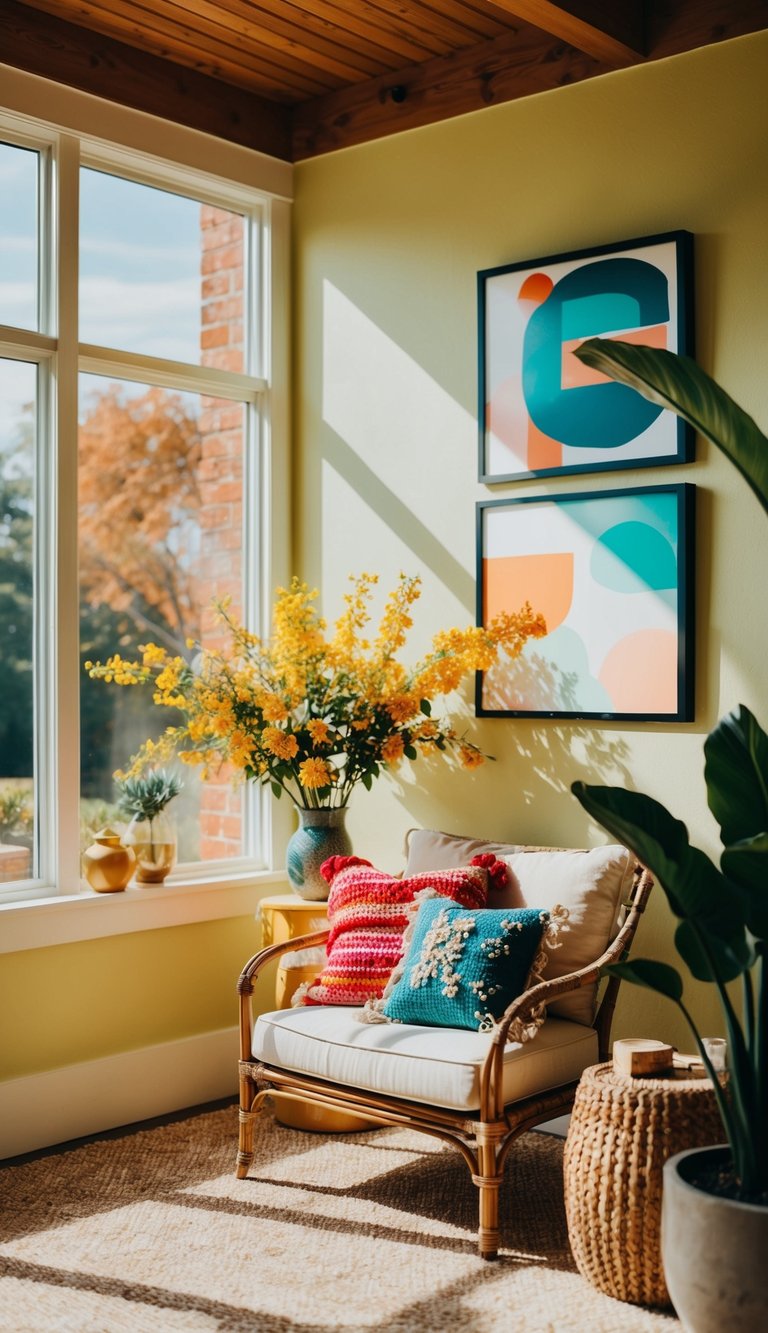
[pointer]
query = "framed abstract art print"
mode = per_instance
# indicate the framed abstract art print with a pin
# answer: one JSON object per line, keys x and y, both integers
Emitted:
{"x": 612, "y": 574}
{"x": 541, "y": 411}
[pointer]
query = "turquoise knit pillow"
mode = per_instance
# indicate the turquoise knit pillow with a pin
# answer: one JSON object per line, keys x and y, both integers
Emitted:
{"x": 463, "y": 967}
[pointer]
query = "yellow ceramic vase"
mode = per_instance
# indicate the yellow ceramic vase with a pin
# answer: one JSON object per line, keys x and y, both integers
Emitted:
{"x": 107, "y": 864}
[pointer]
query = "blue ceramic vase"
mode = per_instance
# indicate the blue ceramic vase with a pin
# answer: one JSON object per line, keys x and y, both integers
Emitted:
{"x": 321, "y": 833}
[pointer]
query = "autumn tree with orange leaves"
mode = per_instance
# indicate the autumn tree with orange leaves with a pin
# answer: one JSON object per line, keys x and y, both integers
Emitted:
{"x": 139, "y": 507}
{"x": 139, "y": 537}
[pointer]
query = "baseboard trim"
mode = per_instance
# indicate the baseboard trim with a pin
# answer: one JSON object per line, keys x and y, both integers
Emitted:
{"x": 41, "y": 1110}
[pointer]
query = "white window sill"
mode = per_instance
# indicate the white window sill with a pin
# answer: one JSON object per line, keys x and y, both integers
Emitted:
{"x": 40, "y": 922}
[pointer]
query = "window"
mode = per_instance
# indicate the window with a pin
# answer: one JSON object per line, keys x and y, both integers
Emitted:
{"x": 18, "y": 394}
{"x": 19, "y": 175}
{"x": 133, "y": 413}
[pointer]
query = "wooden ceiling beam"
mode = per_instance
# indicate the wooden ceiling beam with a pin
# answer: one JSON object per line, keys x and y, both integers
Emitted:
{"x": 204, "y": 47}
{"x": 675, "y": 26}
{"x": 520, "y": 63}
{"x": 609, "y": 31}
{"x": 290, "y": 126}
{"x": 527, "y": 60}
{"x": 44, "y": 45}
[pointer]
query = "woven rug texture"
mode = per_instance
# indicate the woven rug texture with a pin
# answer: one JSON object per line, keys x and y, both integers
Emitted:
{"x": 150, "y": 1232}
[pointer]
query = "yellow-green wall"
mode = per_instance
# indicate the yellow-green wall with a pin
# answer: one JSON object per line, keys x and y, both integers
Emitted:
{"x": 388, "y": 239}
{"x": 74, "y": 1002}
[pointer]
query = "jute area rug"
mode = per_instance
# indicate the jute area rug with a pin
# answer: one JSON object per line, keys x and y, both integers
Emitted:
{"x": 150, "y": 1232}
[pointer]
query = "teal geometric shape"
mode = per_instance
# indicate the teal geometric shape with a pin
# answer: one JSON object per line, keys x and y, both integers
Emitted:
{"x": 589, "y": 300}
{"x": 604, "y": 310}
{"x": 633, "y": 553}
{"x": 564, "y": 681}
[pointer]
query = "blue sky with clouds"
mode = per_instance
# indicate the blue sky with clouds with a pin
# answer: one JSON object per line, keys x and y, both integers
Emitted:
{"x": 18, "y": 212}
{"x": 139, "y": 269}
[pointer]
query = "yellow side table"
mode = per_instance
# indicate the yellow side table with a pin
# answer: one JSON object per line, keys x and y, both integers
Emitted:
{"x": 284, "y": 917}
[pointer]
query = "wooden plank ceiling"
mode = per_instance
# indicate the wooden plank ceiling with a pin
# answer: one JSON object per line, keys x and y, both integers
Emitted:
{"x": 296, "y": 78}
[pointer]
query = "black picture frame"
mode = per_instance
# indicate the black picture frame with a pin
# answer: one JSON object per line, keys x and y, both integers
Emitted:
{"x": 541, "y": 412}
{"x": 613, "y": 573}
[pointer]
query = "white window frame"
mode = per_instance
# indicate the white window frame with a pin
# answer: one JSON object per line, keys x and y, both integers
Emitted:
{"x": 55, "y": 908}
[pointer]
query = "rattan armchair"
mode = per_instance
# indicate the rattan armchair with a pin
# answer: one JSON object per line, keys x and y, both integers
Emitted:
{"x": 485, "y": 1128}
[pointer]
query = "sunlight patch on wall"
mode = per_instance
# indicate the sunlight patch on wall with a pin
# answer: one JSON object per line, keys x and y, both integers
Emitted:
{"x": 403, "y": 425}
{"x": 356, "y": 537}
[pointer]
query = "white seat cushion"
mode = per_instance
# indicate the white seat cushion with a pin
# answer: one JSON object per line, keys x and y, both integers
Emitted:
{"x": 440, "y": 1066}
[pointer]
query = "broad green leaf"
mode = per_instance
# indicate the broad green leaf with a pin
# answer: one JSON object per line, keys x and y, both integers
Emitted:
{"x": 426, "y": 707}
{"x": 676, "y": 382}
{"x": 747, "y": 864}
{"x": 736, "y": 773}
{"x": 659, "y": 841}
{"x": 645, "y": 972}
{"x": 277, "y": 790}
{"x": 711, "y": 957}
{"x": 695, "y": 888}
{"x": 410, "y": 752}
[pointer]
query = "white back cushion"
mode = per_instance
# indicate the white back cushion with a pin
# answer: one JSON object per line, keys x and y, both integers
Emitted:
{"x": 592, "y": 885}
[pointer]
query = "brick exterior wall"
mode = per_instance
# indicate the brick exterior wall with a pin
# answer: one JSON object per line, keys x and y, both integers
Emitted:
{"x": 221, "y": 484}
{"x": 15, "y": 863}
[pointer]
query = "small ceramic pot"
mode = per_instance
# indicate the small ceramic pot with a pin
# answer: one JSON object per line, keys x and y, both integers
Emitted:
{"x": 107, "y": 863}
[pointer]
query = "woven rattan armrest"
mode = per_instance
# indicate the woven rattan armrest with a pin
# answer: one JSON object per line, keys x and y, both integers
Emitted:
{"x": 258, "y": 961}
{"x": 252, "y": 969}
{"x": 522, "y": 1008}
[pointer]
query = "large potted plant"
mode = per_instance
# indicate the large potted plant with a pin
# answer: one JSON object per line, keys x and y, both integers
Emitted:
{"x": 715, "y": 1202}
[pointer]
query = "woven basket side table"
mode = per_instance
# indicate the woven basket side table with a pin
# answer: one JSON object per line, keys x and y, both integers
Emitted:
{"x": 622, "y": 1131}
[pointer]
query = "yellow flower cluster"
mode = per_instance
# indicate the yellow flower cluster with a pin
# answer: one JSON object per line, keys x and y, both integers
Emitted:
{"x": 310, "y": 715}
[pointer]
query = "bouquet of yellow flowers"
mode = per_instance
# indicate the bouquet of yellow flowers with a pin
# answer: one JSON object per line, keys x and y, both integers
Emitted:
{"x": 310, "y": 715}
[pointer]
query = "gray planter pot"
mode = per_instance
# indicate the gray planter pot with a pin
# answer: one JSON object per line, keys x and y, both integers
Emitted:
{"x": 714, "y": 1251}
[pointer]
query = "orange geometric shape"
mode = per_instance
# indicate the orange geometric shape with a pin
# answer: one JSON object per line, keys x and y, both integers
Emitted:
{"x": 575, "y": 375}
{"x": 507, "y": 422}
{"x": 536, "y": 288}
{"x": 546, "y": 581}
{"x": 640, "y": 672}
{"x": 542, "y": 450}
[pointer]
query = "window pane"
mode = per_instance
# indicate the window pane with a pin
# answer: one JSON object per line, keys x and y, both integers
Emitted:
{"x": 160, "y": 274}
{"x": 18, "y": 388}
{"x": 18, "y": 236}
{"x": 161, "y": 519}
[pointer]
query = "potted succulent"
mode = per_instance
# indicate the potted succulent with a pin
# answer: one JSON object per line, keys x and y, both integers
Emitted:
{"x": 151, "y": 833}
{"x": 715, "y": 1202}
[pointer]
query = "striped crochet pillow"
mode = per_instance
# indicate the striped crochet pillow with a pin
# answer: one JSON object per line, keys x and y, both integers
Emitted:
{"x": 368, "y": 912}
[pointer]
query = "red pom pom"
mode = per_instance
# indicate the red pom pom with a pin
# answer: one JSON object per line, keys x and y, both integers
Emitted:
{"x": 497, "y": 870}
{"x": 331, "y": 868}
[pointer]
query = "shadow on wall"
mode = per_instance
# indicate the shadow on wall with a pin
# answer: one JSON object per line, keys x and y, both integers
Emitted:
{"x": 397, "y": 456}
{"x": 428, "y": 551}
{"x": 395, "y": 441}
{"x": 535, "y": 777}
{"x": 526, "y": 793}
